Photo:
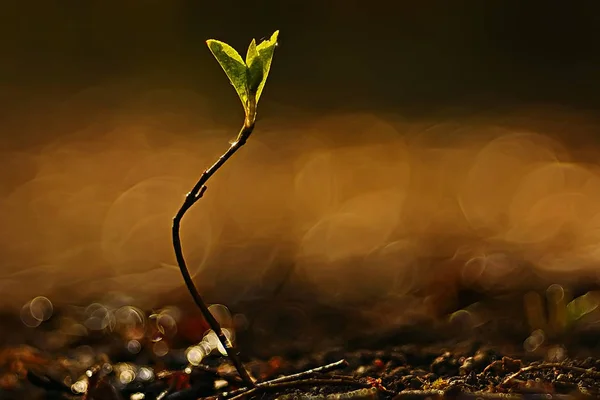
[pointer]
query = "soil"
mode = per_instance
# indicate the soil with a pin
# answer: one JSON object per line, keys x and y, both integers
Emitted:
{"x": 419, "y": 361}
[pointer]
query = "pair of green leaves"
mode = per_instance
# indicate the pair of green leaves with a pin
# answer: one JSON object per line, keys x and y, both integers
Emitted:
{"x": 247, "y": 77}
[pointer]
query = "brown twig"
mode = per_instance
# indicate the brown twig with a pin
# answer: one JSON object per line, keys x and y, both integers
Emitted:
{"x": 305, "y": 374}
{"x": 491, "y": 366}
{"x": 440, "y": 394}
{"x": 299, "y": 377}
{"x": 539, "y": 367}
{"x": 420, "y": 395}
{"x": 191, "y": 198}
{"x": 282, "y": 385}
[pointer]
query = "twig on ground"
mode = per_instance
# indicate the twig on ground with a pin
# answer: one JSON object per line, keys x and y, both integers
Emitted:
{"x": 191, "y": 198}
{"x": 299, "y": 377}
{"x": 569, "y": 368}
{"x": 420, "y": 394}
{"x": 305, "y": 374}
{"x": 491, "y": 366}
{"x": 440, "y": 395}
{"x": 283, "y": 385}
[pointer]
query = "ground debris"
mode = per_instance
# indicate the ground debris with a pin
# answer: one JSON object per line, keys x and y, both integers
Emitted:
{"x": 113, "y": 366}
{"x": 399, "y": 373}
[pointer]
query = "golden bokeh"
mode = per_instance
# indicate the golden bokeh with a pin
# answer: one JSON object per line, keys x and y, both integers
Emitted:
{"x": 363, "y": 204}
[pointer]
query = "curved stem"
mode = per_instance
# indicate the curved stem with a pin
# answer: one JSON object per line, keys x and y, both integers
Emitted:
{"x": 190, "y": 199}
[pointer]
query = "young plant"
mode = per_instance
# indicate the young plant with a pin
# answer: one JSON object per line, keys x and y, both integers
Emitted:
{"x": 248, "y": 79}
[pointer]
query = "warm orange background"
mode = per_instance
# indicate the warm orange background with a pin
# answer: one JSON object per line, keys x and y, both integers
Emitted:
{"x": 411, "y": 146}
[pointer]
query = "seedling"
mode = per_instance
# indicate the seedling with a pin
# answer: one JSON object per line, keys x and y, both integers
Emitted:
{"x": 248, "y": 79}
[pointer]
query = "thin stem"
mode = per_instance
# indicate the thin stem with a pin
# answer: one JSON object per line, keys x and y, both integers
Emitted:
{"x": 190, "y": 199}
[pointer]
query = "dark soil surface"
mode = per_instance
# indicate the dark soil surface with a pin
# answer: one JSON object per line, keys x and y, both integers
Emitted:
{"x": 422, "y": 361}
{"x": 397, "y": 372}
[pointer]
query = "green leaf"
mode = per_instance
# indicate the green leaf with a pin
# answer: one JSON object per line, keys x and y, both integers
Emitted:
{"x": 265, "y": 51}
{"x": 255, "y": 68}
{"x": 233, "y": 65}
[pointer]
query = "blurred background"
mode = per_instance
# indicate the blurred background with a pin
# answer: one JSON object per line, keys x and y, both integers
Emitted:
{"x": 408, "y": 155}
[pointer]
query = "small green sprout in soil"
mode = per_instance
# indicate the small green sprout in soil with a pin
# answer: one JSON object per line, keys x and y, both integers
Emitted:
{"x": 248, "y": 79}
